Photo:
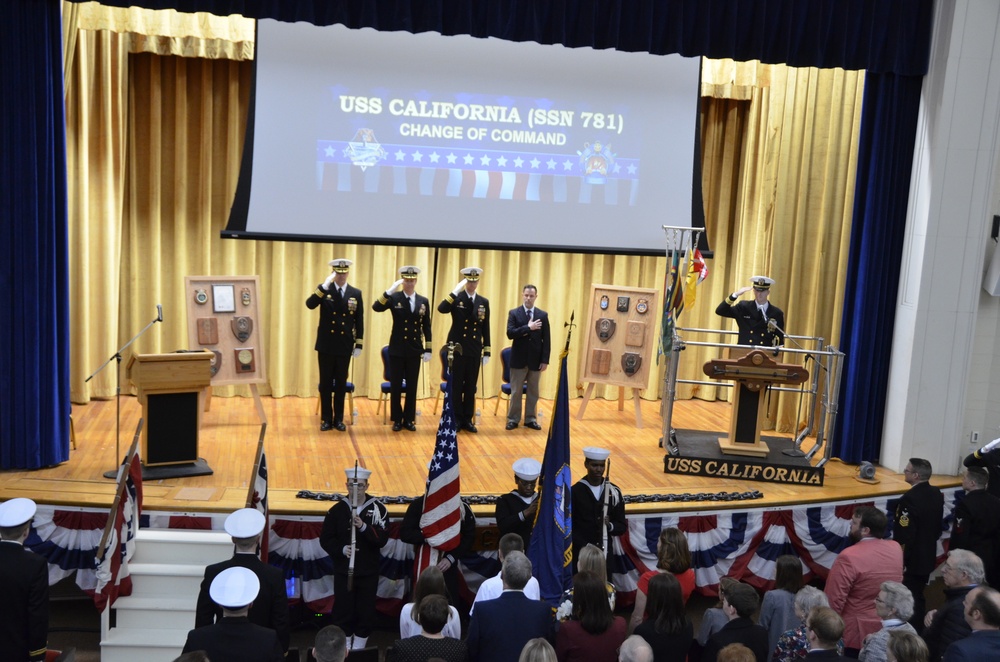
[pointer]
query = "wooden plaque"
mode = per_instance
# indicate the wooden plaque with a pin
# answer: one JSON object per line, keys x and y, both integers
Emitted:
{"x": 600, "y": 361}
{"x": 635, "y": 333}
{"x": 208, "y": 331}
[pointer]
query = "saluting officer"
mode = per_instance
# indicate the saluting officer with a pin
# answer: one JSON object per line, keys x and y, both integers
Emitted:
{"x": 759, "y": 321}
{"x": 338, "y": 339}
{"x": 410, "y": 339}
{"x": 470, "y": 328}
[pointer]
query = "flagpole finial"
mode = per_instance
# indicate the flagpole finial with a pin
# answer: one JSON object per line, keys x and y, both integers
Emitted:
{"x": 570, "y": 324}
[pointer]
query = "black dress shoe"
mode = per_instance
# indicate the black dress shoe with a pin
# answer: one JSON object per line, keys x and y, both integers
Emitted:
{"x": 511, "y": 425}
{"x": 396, "y": 427}
{"x": 325, "y": 426}
{"x": 471, "y": 427}
{"x": 340, "y": 426}
{"x": 533, "y": 425}
{"x": 411, "y": 427}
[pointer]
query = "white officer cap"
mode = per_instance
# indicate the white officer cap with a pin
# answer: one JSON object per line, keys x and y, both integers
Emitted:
{"x": 596, "y": 453}
{"x": 409, "y": 272}
{"x": 472, "y": 273}
{"x": 341, "y": 265}
{"x": 17, "y": 511}
{"x": 245, "y": 523}
{"x": 234, "y": 587}
{"x": 527, "y": 468}
{"x": 363, "y": 474}
{"x": 762, "y": 282}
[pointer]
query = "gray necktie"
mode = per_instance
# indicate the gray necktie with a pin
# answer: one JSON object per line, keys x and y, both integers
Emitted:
{"x": 531, "y": 315}
{"x": 410, "y": 299}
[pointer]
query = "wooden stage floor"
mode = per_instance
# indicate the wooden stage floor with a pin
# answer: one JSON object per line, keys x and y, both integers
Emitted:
{"x": 300, "y": 457}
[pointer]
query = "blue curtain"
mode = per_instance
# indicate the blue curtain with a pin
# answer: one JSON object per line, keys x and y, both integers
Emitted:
{"x": 888, "y": 129}
{"x": 34, "y": 334}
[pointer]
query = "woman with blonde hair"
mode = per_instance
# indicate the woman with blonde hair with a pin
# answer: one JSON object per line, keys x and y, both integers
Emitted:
{"x": 593, "y": 633}
{"x": 590, "y": 559}
{"x": 537, "y": 650}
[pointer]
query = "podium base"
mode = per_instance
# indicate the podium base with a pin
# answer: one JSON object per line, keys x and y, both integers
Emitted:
{"x": 186, "y": 470}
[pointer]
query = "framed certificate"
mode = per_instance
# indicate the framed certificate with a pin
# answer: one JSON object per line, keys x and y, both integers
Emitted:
{"x": 223, "y": 299}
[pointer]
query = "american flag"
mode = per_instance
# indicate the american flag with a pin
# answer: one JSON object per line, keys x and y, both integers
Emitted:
{"x": 258, "y": 492}
{"x": 118, "y": 543}
{"x": 441, "y": 519}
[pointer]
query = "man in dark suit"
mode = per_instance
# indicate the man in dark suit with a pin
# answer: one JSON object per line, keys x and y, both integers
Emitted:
{"x": 824, "y": 629}
{"x": 234, "y": 637}
{"x": 470, "y": 328}
{"x": 976, "y": 527}
{"x": 739, "y": 603}
{"x": 409, "y": 341}
{"x": 501, "y": 627}
{"x": 24, "y": 579}
{"x": 754, "y": 318}
{"x": 917, "y": 527}
{"x": 270, "y": 606}
{"x": 528, "y": 328}
{"x": 982, "y": 613}
{"x": 338, "y": 339}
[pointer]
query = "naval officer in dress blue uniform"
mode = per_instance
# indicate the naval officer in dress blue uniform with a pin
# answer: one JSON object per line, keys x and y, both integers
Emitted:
{"x": 759, "y": 321}
{"x": 470, "y": 328}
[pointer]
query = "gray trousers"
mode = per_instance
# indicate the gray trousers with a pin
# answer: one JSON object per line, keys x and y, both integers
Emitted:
{"x": 519, "y": 376}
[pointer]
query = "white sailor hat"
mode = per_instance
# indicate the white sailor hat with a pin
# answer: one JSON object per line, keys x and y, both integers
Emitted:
{"x": 409, "y": 272}
{"x": 245, "y": 523}
{"x": 234, "y": 587}
{"x": 341, "y": 265}
{"x": 17, "y": 511}
{"x": 472, "y": 273}
{"x": 527, "y": 468}
{"x": 762, "y": 282}
{"x": 363, "y": 474}
{"x": 596, "y": 453}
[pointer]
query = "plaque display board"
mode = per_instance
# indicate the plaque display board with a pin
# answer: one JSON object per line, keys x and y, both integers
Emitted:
{"x": 621, "y": 335}
{"x": 223, "y": 317}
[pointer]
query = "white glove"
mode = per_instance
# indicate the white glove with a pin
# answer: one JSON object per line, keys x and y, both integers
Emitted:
{"x": 329, "y": 279}
{"x": 486, "y": 361}
{"x": 990, "y": 446}
{"x": 461, "y": 285}
{"x": 427, "y": 357}
{"x": 394, "y": 286}
{"x": 356, "y": 353}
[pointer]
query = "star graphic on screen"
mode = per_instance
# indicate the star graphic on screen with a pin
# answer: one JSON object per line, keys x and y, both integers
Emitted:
{"x": 451, "y": 157}
{"x": 551, "y": 164}
{"x": 617, "y": 169}
{"x": 535, "y": 163}
{"x": 418, "y": 157}
{"x": 519, "y": 162}
{"x": 400, "y": 155}
{"x": 502, "y": 161}
{"x": 484, "y": 160}
{"x": 329, "y": 150}
{"x": 468, "y": 159}
{"x": 631, "y": 168}
{"x": 567, "y": 165}
{"x": 435, "y": 157}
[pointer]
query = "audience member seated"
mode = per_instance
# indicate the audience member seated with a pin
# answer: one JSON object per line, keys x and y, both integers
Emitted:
{"x": 635, "y": 649}
{"x": 740, "y": 603}
{"x": 674, "y": 556}
{"x": 982, "y": 611}
{"x": 906, "y": 647}
{"x": 433, "y": 614}
{"x": 777, "y": 611}
{"x": 736, "y": 653}
{"x": 962, "y": 572}
{"x": 824, "y": 629}
{"x": 431, "y": 582}
{"x": 590, "y": 559}
{"x": 894, "y": 605}
{"x": 538, "y": 650}
{"x": 666, "y": 627}
{"x": 794, "y": 644}
{"x": 330, "y": 645}
{"x": 594, "y": 633}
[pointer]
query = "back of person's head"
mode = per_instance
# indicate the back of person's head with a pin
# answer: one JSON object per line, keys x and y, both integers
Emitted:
{"x": 635, "y": 649}
{"x": 788, "y": 573}
{"x": 808, "y": 597}
{"x": 673, "y": 553}
{"x": 724, "y": 583}
{"x": 921, "y": 467}
{"x": 907, "y": 647}
{"x": 987, "y": 602}
{"x": 537, "y": 650}
{"x": 872, "y": 518}
{"x": 744, "y": 599}
{"x": 590, "y": 602}
{"x": 432, "y": 613}
{"x": 330, "y": 645}
{"x": 510, "y": 542}
{"x": 827, "y": 625}
{"x": 735, "y": 653}
{"x": 898, "y": 598}
{"x": 591, "y": 559}
{"x": 979, "y": 477}
{"x": 516, "y": 571}
{"x": 665, "y": 604}
{"x": 430, "y": 582}
{"x": 962, "y": 560}
{"x": 193, "y": 656}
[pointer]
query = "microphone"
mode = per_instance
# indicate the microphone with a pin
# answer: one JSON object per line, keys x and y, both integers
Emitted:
{"x": 159, "y": 313}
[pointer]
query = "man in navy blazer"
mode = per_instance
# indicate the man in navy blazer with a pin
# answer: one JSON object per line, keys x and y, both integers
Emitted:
{"x": 982, "y": 613}
{"x": 500, "y": 628}
{"x": 824, "y": 629}
{"x": 528, "y": 328}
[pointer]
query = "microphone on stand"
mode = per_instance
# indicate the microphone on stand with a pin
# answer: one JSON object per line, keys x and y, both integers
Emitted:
{"x": 159, "y": 313}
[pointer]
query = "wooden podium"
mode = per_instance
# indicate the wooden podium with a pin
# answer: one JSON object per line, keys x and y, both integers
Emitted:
{"x": 170, "y": 390}
{"x": 753, "y": 373}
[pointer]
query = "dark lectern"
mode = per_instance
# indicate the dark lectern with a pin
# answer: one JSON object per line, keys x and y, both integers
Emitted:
{"x": 170, "y": 389}
{"x": 753, "y": 373}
